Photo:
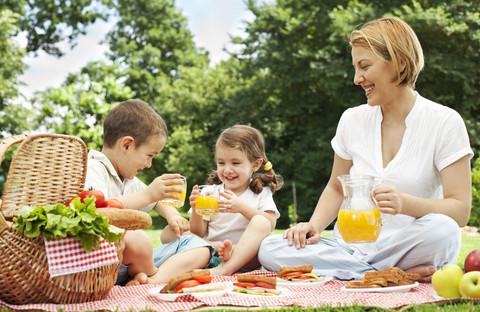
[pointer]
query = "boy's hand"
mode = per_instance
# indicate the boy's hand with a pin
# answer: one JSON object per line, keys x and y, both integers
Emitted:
{"x": 163, "y": 186}
{"x": 178, "y": 224}
{"x": 230, "y": 202}
{"x": 195, "y": 193}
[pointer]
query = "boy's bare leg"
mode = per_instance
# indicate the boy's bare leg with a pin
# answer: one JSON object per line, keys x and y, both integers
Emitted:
{"x": 184, "y": 262}
{"x": 167, "y": 235}
{"x": 246, "y": 250}
{"x": 138, "y": 253}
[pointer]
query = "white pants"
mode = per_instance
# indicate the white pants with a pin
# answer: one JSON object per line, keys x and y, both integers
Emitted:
{"x": 431, "y": 240}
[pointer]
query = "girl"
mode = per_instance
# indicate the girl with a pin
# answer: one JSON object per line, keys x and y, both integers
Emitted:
{"x": 247, "y": 211}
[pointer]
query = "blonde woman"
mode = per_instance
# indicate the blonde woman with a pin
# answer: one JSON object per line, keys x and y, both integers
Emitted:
{"x": 419, "y": 148}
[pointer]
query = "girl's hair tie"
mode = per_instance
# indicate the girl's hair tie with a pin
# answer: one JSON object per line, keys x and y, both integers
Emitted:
{"x": 268, "y": 166}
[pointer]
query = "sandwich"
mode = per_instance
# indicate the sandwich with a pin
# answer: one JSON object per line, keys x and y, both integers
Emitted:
{"x": 256, "y": 285}
{"x": 298, "y": 273}
{"x": 192, "y": 282}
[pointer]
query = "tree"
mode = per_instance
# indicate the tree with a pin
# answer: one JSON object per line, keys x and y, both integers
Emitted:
{"x": 47, "y": 22}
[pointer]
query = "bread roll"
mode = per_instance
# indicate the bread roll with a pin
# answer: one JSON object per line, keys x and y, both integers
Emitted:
{"x": 127, "y": 219}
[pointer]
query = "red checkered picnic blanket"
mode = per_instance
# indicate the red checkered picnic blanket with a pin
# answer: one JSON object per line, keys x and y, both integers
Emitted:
{"x": 330, "y": 294}
{"x": 67, "y": 256}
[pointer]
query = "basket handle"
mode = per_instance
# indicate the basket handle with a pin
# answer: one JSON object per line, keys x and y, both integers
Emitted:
{"x": 4, "y": 146}
{"x": 6, "y": 143}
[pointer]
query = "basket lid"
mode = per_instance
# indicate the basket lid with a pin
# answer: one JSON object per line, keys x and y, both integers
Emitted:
{"x": 45, "y": 169}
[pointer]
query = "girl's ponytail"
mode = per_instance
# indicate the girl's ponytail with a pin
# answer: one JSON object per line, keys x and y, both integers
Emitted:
{"x": 267, "y": 178}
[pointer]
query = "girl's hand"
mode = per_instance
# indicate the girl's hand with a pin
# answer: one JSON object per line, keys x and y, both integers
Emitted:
{"x": 230, "y": 202}
{"x": 389, "y": 201}
{"x": 163, "y": 186}
{"x": 195, "y": 193}
{"x": 302, "y": 234}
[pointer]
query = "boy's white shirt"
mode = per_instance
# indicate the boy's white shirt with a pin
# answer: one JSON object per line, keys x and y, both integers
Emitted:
{"x": 102, "y": 176}
{"x": 232, "y": 225}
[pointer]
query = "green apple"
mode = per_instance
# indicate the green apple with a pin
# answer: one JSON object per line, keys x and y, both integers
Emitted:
{"x": 446, "y": 281}
{"x": 470, "y": 285}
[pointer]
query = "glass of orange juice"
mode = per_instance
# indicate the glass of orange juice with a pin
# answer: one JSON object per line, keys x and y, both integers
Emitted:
{"x": 177, "y": 203}
{"x": 359, "y": 219}
{"x": 206, "y": 204}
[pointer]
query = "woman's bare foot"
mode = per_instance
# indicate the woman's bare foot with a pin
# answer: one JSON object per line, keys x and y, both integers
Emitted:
{"x": 426, "y": 271}
{"x": 139, "y": 279}
{"x": 225, "y": 251}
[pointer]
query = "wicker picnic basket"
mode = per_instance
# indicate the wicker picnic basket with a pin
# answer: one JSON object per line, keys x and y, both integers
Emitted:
{"x": 45, "y": 169}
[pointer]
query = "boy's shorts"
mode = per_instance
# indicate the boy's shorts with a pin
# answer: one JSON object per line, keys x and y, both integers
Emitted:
{"x": 165, "y": 251}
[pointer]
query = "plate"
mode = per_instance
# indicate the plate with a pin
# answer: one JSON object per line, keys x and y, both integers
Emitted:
{"x": 172, "y": 297}
{"x": 403, "y": 288}
{"x": 304, "y": 283}
{"x": 283, "y": 293}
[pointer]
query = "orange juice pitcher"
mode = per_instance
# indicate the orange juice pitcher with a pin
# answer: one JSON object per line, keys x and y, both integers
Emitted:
{"x": 359, "y": 219}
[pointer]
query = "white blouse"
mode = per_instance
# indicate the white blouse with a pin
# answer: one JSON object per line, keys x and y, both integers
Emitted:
{"x": 434, "y": 138}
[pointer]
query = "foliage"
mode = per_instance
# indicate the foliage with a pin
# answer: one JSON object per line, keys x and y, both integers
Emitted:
{"x": 79, "y": 106}
{"x": 47, "y": 22}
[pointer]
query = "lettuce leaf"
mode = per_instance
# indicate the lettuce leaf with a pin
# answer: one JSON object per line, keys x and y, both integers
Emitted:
{"x": 78, "y": 220}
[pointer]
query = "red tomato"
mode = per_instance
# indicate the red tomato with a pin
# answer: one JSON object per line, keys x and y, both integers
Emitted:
{"x": 244, "y": 284}
{"x": 113, "y": 203}
{"x": 203, "y": 279}
{"x": 187, "y": 283}
{"x": 265, "y": 285}
{"x": 292, "y": 274}
{"x": 99, "y": 197}
{"x": 71, "y": 199}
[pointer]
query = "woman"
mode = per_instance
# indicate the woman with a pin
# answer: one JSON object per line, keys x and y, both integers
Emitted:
{"x": 419, "y": 148}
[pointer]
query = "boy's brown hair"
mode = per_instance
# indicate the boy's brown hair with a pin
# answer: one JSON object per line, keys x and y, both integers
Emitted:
{"x": 133, "y": 118}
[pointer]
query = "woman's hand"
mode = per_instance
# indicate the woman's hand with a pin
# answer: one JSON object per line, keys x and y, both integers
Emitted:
{"x": 302, "y": 234}
{"x": 230, "y": 202}
{"x": 389, "y": 201}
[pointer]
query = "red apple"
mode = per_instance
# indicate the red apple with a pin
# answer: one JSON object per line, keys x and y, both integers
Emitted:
{"x": 472, "y": 261}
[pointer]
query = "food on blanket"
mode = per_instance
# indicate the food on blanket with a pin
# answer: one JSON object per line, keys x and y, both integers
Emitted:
{"x": 196, "y": 281}
{"x": 98, "y": 195}
{"x": 384, "y": 278}
{"x": 446, "y": 280}
{"x": 301, "y": 273}
{"x": 472, "y": 261}
{"x": 79, "y": 220}
{"x": 256, "y": 285}
{"x": 470, "y": 285}
{"x": 127, "y": 219}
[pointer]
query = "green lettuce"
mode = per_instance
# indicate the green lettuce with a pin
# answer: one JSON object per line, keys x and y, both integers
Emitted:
{"x": 78, "y": 220}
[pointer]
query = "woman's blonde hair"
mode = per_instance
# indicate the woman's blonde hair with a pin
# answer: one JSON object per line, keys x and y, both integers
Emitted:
{"x": 250, "y": 141}
{"x": 395, "y": 41}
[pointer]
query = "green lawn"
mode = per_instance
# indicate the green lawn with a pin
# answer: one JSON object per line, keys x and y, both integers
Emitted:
{"x": 469, "y": 242}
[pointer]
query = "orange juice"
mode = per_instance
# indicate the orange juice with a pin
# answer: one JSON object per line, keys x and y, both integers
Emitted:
{"x": 206, "y": 205}
{"x": 177, "y": 203}
{"x": 359, "y": 226}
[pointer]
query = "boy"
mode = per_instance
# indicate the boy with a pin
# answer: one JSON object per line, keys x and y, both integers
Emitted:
{"x": 133, "y": 134}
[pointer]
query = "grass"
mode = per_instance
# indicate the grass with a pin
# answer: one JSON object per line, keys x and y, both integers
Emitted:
{"x": 469, "y": 242}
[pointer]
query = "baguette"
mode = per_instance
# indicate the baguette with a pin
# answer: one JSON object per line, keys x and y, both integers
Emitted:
{"x": 173, "y": 282}
{"x": 127, "y": 219}
{"x": 306, "y": 268}
{"x": 249, "y": 278}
